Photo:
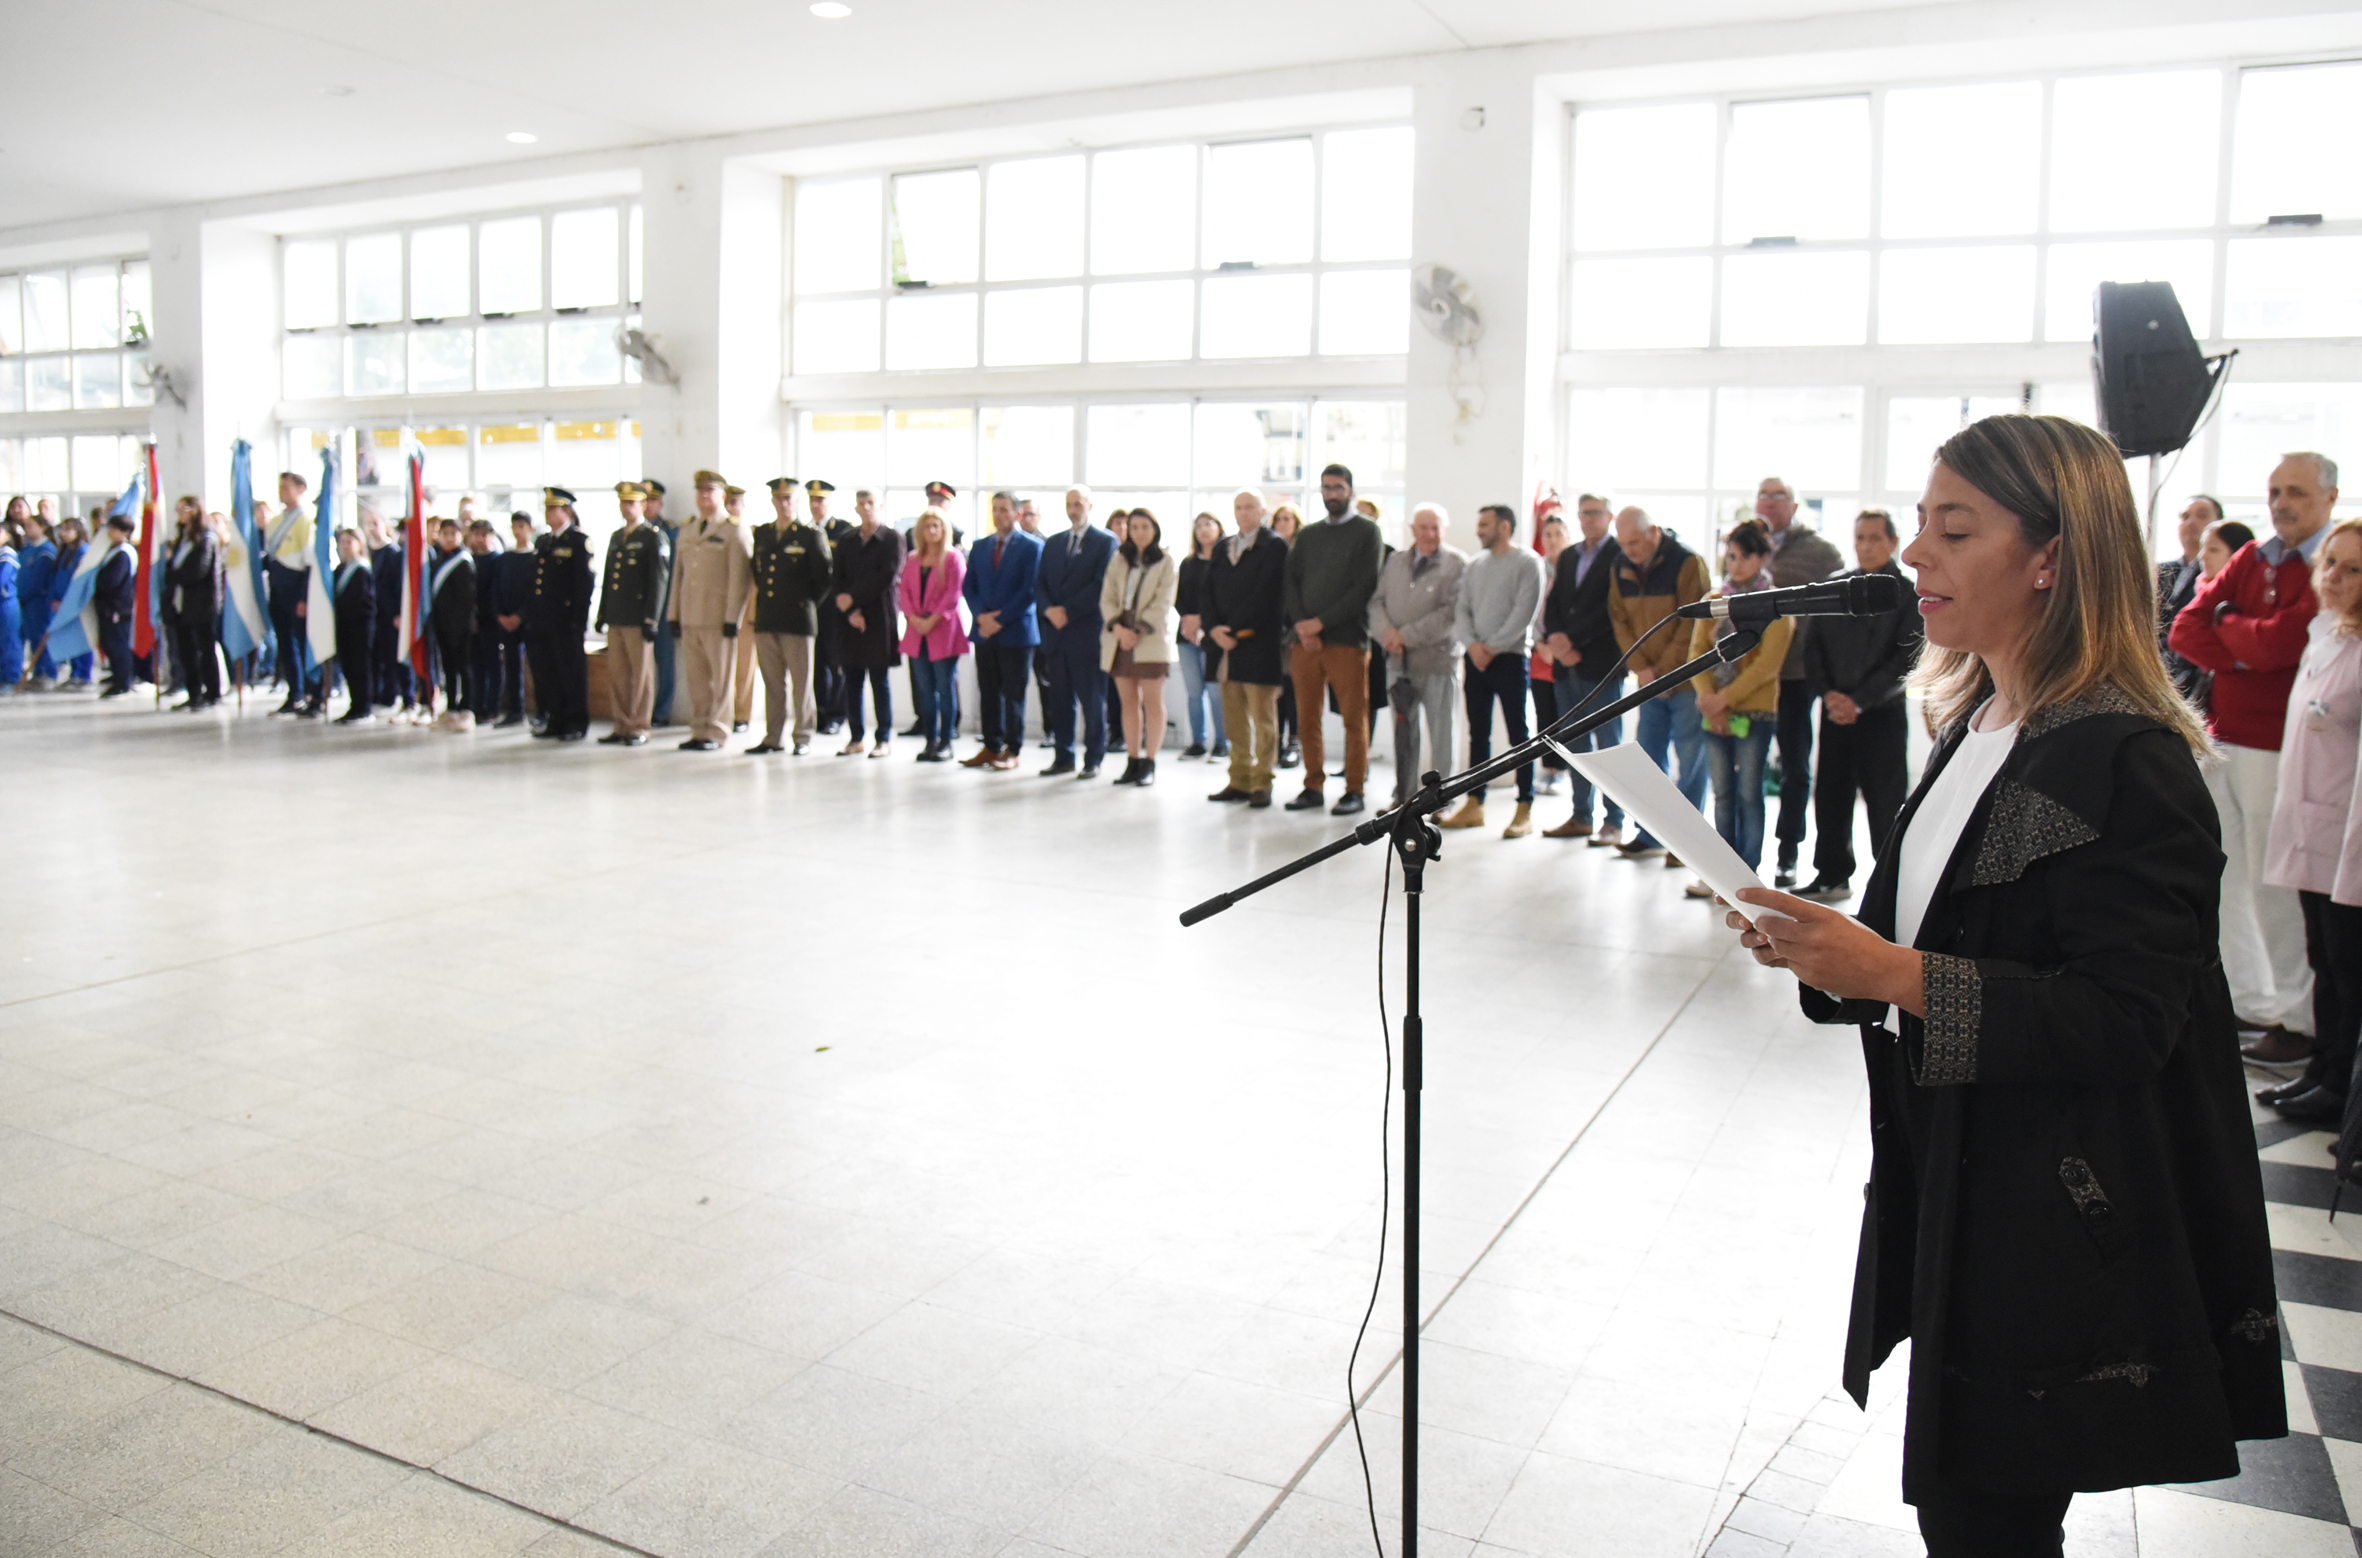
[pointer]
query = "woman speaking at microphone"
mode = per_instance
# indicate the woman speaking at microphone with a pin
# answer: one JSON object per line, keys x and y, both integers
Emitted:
{"x": 2065, "y": 1212}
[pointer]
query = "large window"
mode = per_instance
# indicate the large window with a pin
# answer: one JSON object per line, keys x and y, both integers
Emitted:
{"x": 76, "y": 471}
{"x": 1174, "y": 456}
{"x": 1282, "y": 248}
{"x": 75, "y": 338}
{"x": 503, "y": 461}
{"x": 1824, "y": 288}
{"x": 518, "y": 302}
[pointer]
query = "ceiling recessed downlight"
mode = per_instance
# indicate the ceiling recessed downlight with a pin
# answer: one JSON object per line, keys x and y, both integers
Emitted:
{"x": 523, "y": 137}
{"x": 834, "y": 10}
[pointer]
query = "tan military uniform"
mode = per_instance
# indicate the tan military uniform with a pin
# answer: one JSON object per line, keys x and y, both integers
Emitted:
{"x": 712, "y": 579}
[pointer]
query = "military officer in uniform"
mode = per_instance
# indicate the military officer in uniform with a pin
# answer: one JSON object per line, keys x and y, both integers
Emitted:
{"x": 630, "y": 596}
{"x": 652, "y": 510}
{"x": 711, "y": 579}
{"x": 792, "y": 570}
{"x": 742, "y": 658}
{"x": 828, "y": 675}
{"x": 555, "y": 619}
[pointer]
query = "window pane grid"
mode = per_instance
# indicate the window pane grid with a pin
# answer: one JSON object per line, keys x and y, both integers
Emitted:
{"x": 74, "y": 338}
{"x": 1108, "y": 256}
{"x": 500, "y": 302}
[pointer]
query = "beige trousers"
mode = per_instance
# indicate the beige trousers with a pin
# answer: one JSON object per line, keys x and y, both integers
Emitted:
{"x": 631, "y": 679}
{"x": 786, "y": 661}
{"x": 742, "y": 702}
{"x": 1250, "y": 714}
{"x": 704, "y": 662}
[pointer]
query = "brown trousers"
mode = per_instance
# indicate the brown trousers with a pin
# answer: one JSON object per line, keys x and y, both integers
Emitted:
{"x": 786, "y": 660}
{"x": 631, "y": 679}
{"x": 704, "y": 662}
{"x": 1250, "y": 716}
{"x": 1348, "y": 671}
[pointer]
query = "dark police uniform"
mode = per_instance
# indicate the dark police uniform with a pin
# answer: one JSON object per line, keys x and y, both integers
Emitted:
{"x": 555, "y": 619}
{"x": 631, "y": 595}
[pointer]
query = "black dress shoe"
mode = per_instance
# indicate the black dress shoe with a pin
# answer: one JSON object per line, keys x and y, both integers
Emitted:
{"x": 1291, "y": 756}
{"x": 1231, "y": 792}
{"x": 545, "y": 733}
{"x": 634, "y": 741}
{"x": 700, "y": 744}
{"x": 1259, "y": 801}
{"x": 1194, "y": 749}
{"x": 764, "y": 749}
{"x": 1147, "y": 774}
{"x": 1347, "y": 804}
{"x": 1308, "y": 800}
{"x": 2313, "y": 1106}
{"x": 738, "y": 727}
{"x": 1089, "y": 771}
{"x": 614, "y": 738}
{"x": 506, "y": 720}
{"x": 572, "y": 735}
{"x": 1064, "y": 765}
{"x": 2281, "y": 1090}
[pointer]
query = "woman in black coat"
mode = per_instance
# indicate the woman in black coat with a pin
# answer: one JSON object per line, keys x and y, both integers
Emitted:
{"x": 868, "y": 567}
{"x": 2065, "y": 1213}
{"x": 192, "y": 605}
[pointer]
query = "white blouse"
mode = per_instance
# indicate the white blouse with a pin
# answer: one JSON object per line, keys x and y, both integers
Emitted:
{"x": 1943, "y": 813}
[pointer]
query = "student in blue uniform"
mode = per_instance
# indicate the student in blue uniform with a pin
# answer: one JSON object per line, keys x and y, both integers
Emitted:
{"x": 389, "y": 675}
{"x": 512, "y": 592}
{"x": 12, "y": 628}
{"x": 355, "y": 595}
{"x": 483, "y": 549}
{"x": 117, "y": 600}
{"x": 70, "y": 542}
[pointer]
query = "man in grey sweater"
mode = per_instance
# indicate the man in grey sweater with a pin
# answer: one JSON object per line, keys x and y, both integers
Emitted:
{"x": 1411, "y": 617}
{"x": 1500, "y": 595}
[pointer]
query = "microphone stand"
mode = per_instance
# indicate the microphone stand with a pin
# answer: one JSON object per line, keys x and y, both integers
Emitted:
{"x": 1409, "y": 827}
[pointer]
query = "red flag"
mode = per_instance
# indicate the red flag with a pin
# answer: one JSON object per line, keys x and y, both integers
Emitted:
{"x": 415, "y": 627}
{"x": 143, "y": 633}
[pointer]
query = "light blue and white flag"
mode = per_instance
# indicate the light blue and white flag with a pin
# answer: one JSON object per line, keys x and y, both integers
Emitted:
{"x": 320, "y": 601}
{"x": 73, "y": 625}
{"x": 245, "y": 627}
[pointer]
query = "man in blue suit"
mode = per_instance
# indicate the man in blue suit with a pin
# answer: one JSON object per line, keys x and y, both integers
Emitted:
{"x": 999, "y": 591}
{"x": 1066, "y": 594}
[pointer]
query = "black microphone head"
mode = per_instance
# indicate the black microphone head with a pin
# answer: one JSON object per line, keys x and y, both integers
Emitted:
{"x": 1873, "y": 594}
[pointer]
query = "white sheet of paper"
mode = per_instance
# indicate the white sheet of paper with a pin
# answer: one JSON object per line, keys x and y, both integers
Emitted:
{"x": 1648, "y": 797}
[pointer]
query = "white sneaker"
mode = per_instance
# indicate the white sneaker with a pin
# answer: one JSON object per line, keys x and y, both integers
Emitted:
{"x": 1698, "y": 889}
{"x": 882, "y": 749}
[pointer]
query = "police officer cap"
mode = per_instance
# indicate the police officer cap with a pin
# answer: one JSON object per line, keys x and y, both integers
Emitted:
{"x": 655, "y": 487}
{"x": 817, "y": 485}
{"x": 733, "y": 492}
{"x": 630, "y": 491}
{"x": 708, "y": 479}
{"x": 554, "y": 495}
{"x": 780, "y": 484}
{"x": 942, "y": 489}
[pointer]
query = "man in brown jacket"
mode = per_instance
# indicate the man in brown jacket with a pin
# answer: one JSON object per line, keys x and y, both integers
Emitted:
{"x": 1655, "y": 576}
{"x": 712, "y": 574}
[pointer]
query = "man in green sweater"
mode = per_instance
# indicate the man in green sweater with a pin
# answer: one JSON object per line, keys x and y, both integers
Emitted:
{"x": 1332, "y": 573}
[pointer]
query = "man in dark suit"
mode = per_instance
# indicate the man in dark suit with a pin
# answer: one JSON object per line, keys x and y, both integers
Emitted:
{"x": 116, "y": 598}
{"x": 484, "y": 644}
{"x": 999, "y": 590}
{"x": 557, "y": 616}
{"x": 355, "y": 596}
{"x": 828, "y": 670}
{"x": 512, "y": 594}
{"x": 1244, "y": 622}
{"x": 2178, "y": 582}
{"x": 1856, "y": 667}
{"x": 1580, "y": 639}
{"x": 1066, "y": 597}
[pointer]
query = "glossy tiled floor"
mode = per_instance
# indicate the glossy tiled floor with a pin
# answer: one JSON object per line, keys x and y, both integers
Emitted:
{"x": 417, "y": 1144}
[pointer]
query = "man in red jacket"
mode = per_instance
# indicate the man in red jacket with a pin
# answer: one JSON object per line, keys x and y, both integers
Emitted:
{"x": 2248, "y": 625}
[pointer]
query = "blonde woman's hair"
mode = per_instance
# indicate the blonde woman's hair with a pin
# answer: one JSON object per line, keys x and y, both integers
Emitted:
{"x": 2351, "y": 622}
{"x": 2097, "y": 627}
{"x": 942, "y": 527}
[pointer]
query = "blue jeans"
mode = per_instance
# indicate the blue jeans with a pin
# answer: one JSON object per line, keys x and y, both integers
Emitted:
{"x": 1203, "y": 698}
{"x": 1504, "y": 679}
{"x": 1574, "y": 692}
{"x": 931, "y": 682}
{"x": 882, "y": 694}
{"x": 1075, "y": 678}
{"x": 1737, "y": 765}
{"x": 1675, "y": 720}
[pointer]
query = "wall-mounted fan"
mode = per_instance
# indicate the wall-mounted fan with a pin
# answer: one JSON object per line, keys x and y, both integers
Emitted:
{"x": 157, "y": 380}
{"x": 640, "y": 347}
{"x": 1446, "y": 305}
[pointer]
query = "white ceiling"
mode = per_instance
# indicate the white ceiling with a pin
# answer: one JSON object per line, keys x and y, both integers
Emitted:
{"x": 233, "y": 97}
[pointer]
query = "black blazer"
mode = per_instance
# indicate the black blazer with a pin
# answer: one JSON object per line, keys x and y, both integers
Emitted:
{"x": 2065, "y": 1213}
{"x": 453, "y": 609}
{"x": 1246, "y": 598}
{"x": 869, "y": 571}
{"x": 1579, "y": 609}
{"x": 193, "y": 586}
{"x": 1866, "y": 658}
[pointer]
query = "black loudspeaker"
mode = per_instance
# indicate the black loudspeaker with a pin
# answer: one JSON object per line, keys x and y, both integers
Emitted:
{"x": 2148, "y": 377}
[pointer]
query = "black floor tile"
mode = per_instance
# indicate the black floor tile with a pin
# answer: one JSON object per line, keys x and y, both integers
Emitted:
{"x": 2272, "y": 1132}
{"x": 2294, "y": 1185}
{"x": 2337, "y": 1401}
{"x": 2292, "y": 1475}
{"x": 2321, "y": 1280}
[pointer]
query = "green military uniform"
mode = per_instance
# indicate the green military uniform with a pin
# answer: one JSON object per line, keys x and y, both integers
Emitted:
{"x": 792, "y": 571}
{"x": 631, "y": 599}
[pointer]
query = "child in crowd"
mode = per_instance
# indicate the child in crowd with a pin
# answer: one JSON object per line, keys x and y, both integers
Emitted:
{"x": 356, "y": 622}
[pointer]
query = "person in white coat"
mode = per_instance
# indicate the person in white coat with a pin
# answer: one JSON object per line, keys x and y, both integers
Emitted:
{"x": 1136, "y": 639}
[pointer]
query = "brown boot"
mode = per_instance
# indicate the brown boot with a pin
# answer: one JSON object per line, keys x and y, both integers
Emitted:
{"x": 1522, "y": 823}
{"x": 2276, "y": 1046}
{"x": 1470, "y": 815}
{"x": 1572, "y": 828}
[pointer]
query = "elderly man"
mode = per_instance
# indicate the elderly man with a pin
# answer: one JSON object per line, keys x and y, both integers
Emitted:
{"x": 1799, "y": 556}
{"x": 1655, "y": 576}
{"x": 712, "y": 574}
{"x": 1411, "y": 619}
{"x": 1500, "y": 598}
{"x": 2249, "y": 625}
{"x": 1246, "y": 592}
{"x": 1581, "y": 644}
{"x": 2178, "y": 581}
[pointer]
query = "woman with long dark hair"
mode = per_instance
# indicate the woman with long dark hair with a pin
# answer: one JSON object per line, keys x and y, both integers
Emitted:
{"x": 1136, "y": 643}
{"x": 2065, "y": 1213}
{"x": 1204, "y": 699}
{"x": 192, "y": 605}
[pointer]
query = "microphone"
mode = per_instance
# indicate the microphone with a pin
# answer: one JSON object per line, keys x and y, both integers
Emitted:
{"x": 1857, "y": 595}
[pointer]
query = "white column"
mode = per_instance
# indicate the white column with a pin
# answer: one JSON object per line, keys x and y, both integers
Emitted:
{"x": 215, "y": 332}
{"x": 712, "y": 249}
{"x": 1485, "y": 203}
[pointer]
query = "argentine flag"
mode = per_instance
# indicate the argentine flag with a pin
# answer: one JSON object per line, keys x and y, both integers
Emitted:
{"x": 245, "y": 626}
{"x": 73, "y": 626}
{"x": 319, "y": 617}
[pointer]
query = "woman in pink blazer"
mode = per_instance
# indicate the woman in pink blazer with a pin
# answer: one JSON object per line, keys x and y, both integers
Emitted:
{"x": 932, "y": 638}
{"x": 2316, "y": 838}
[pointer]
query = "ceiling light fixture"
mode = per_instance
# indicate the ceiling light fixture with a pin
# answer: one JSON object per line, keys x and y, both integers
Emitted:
{"x": 523, "y": 137}
{"x": 833, "y": 10}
